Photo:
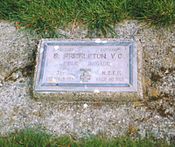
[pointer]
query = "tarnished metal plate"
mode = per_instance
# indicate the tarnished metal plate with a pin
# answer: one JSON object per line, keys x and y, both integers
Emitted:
{"x": 85, "y": 66}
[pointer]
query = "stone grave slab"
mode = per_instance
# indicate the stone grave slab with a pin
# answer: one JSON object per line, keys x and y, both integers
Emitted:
{"x": 88, "y": 70}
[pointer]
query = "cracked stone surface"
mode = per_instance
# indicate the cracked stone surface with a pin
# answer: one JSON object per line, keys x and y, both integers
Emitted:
{"x": 16, "y": 49}
{"x": 154, "y": 115}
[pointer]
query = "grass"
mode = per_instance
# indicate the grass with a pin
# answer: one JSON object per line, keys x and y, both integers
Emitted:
{"x": 35, "y": 138}
{"x": 99, "y": 16}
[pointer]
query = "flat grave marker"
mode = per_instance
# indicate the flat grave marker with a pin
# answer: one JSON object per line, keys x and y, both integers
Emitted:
{"x": 86, "y": 66}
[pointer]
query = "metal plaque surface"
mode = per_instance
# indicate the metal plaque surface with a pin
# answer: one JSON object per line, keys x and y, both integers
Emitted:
{"x": 80, "y": 66}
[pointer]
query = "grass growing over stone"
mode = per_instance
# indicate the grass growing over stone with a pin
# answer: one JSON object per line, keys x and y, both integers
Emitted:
{"x": 99, "y": 16}
{"x": 35, "y": 138}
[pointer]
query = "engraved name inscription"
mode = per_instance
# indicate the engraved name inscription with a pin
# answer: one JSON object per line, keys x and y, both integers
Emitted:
{"x": 94, "y": 64}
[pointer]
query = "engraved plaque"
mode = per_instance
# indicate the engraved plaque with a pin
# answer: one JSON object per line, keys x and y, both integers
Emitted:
{"x": 85, "y": 66}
